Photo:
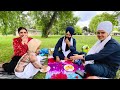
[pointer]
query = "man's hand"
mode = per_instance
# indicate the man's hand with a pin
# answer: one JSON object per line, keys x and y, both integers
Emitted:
{"x": 75, "y": 57}
{"x": 57, "y": 59}
{"x": 65, "y": 58}
{"x": 67, "y": 42}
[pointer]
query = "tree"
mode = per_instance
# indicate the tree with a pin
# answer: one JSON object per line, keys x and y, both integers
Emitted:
{"x": 49, "y": 25}
{"x": 116, "y": 13}
{"x": 57, "y": 21}
{"x": 64, "y": 19}
{"x": 99, "y": 18}
{"x": 89, "y": 30}
{"x": 43, "y": 20}
{"x": 78, "y": 30}
{"x": 84, "y": 29}
{"x": 10, "y": 21}
{"x": 16, "y": 20}
{"x": 117, "y": 16}
{"x": 47, "y": 21}
{"x": 4, "y": 22}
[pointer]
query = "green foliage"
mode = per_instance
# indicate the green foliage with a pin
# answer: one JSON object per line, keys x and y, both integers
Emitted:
{"x": 50, "y": 22}
{"x": 66, "y": 18}
{"x": 11, "y": 20}
{"x": 116, "y": 13}
{"x": 78, "y": 30}
{"x": 99, "y": 18}
{"x": 61, "y": 21}
{"x": 117, "y": 75}
{"x": 115, "y": 29}
{"x": 85, "y": 28}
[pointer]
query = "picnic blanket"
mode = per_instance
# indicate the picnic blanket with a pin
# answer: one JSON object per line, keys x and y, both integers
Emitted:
{"x": 57, "y": 70}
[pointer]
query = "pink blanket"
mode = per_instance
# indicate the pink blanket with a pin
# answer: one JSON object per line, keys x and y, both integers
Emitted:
{"x": 57, "y": 70}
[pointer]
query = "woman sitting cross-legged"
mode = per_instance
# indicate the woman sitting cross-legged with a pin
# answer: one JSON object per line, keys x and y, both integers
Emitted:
{"x": 20, "y": 47}
{"x": 29, "y": 64}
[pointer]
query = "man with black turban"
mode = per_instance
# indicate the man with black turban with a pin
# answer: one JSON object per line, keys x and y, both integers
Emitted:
{"x": 66, "y": 46}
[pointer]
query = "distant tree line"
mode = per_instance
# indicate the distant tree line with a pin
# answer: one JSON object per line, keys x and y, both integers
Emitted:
{"x": 49, "y": 22}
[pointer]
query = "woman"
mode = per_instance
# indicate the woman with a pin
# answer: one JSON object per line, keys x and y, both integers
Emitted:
{"x": 29, "y": 64}
{"x": 20, "y": 48}
{"x": 105, "y": 53}
{"x": 66, "y": 46}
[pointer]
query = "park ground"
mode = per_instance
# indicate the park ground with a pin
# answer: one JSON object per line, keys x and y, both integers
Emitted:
{"x": 6, "y": 48}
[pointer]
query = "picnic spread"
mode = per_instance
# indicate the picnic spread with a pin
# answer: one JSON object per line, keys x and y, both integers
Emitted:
{"x": 65, "y": 69}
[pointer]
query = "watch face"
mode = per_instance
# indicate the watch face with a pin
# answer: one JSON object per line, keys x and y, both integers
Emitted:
{"x": 79, "y": 62}
{"x": 75, "y": 61}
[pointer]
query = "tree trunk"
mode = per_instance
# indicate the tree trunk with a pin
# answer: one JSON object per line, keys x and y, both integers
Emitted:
{"x": 5, "y": 28}
{"x": 48, "y": 27}
{"x": 44, "y": 33}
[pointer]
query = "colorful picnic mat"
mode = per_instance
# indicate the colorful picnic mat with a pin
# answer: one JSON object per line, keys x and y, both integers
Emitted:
{"x": 57, "y": 70}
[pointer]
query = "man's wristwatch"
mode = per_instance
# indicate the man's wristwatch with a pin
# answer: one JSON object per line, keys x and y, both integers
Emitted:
{"x": 83, "y": 57}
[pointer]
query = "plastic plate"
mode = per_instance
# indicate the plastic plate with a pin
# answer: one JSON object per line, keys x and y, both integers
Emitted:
{"x": 69, "y": 67}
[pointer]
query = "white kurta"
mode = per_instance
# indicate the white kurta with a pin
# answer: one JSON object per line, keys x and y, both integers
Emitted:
{"x": 29, "y": 70}
{"x": 64, "y": 46}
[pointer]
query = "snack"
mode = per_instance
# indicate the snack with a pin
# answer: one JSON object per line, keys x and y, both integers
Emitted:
{"x": 69, "y": 67}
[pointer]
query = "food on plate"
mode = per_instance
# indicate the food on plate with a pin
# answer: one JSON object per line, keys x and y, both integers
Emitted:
{"x": 68, "y": 67}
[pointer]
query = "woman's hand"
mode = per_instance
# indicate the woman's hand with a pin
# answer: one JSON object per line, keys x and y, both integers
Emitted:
{"x": 24, "y": 39}
{"x": 32, "y": 57}
{"x": 44, "y": 67}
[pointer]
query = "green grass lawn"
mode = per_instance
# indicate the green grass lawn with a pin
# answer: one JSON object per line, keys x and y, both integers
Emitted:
{"x": 6, "y": 48}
